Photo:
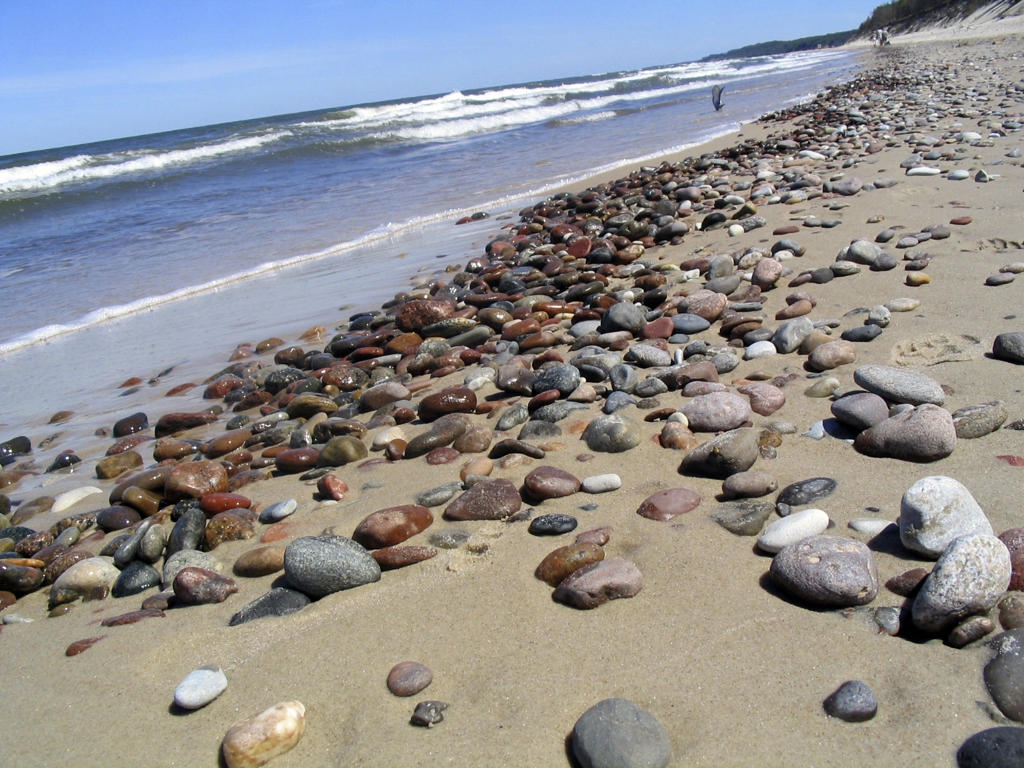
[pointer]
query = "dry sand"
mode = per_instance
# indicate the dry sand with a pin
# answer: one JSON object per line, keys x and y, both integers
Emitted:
{"x": 734, "y": 672}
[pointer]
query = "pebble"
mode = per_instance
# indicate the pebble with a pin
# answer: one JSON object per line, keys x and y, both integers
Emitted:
{"x": 390, "y": 558}
{"x": 597, "y": 583}
{"x": 200, "y": 687}
{"x": 616, "y": 733}
{"x": 186, "y": 558}
{"x": 667, "y": 504}
{"x": 860, "y": 410}
{"x": 261, "y": 561}
{"x": 1004, "y": 673}
{"x": 201, "y": 586}
{"x": 601, "y": 483}
{"x": 89, "y": 579}
{"x": 559, "y": 563}
{"x": 789, "y": 530}
{"x": 550, "y": 483}
{"x": 749, "y": 484}
{"x": 974, "y": 421}
{"x": 438, "y": 495}
{"x": 925, "y": 433}
{"x": 853, "y": 701}
{"x": 407, "y": 678}
{"x": 552, "y": 525}
{"x": 278, "y": 511}
{"x": 135, "y": 578}
{"x": 1011, "y": 611}
{"x": 64, "y": 501}
{"x": 829, "y": 571}
{"x": 486, "y": 500}
{"x": 428, "y": 713}
{"x": 934, "y": 511}
{"x": 611, "y": 434}
{"x": 279, "y": 601}
{"x": 969, "y": 578}
{"x": 387, "y": 527}
{"x": 806, "y": 491}
{"x": 898, "y": 385}
{"x": 716, "y": 412}
{"x": 258, "y": 739}
{"x": 723, "y": 455}
{"x": 321, "y": 565}
{"x": 743, "y": 518}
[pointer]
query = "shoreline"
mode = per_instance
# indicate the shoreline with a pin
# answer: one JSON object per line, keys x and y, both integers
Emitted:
{"x": 709, "y": 644}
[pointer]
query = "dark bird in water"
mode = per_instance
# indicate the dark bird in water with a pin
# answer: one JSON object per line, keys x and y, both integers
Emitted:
{"x": 716, "y": 97}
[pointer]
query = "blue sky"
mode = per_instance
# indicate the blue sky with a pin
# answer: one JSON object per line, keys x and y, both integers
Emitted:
{"x": 73, "y": 71}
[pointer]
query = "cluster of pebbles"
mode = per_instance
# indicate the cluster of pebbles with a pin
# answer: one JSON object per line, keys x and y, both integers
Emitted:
{"x": 573, "y": 325}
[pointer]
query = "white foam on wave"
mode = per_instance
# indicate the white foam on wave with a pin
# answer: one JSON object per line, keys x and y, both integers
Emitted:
{"x": 594, "y": 117}
{"x": 41, "y": 177}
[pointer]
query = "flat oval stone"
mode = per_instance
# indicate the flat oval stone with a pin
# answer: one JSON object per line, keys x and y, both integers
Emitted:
{"x": 486, "y": 500}
{"x": 597, "y": 583}
{"x": 860, "y": 410}
{"x": 975, "y": 421}
{"x": 552, "y": 525}
{"x": 321, "y": 565}
{"x": 716, "y": 412}
{"x": 89, "y": 579}
{"x": 550, "y": 483}
{"x": 601, "y": 483}
{"x": 791, "y": 529}
{"x": 899, "y": 385}
{"x": 616, "y": 733}
{"x": 278, "y": 511}
{"x": 200, "y": 586}
{"x": 451, "y": 400}
{"x": 561, "y": 562}
{"x": 611, "y": 434}
{"x": 117, "y": 518}
{"x": 296, "y": 460}
{"x": 806, "y": 491}
{"x": 438, "y": 495}
{"x": 667, "y": 504}
{"x": 200, "y": 687}
{"x": 277, "y": 602}
{"x": 743, "y": 518}
{"x": 407, "y": 678}
{"x": 195, "y": 478}
{"x": 387, "y": 527}
{"x": 390, "y": 558}
{"x": 925, "y": 433}
{"x": 828, "y": 571}
{"x": 261, "y": 561}
{"x": 723, "y": 455}
{"x": 135, "y": 578}
{"x": 750, "y": 484}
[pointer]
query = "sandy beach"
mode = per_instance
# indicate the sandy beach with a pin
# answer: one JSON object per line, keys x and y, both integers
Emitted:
{"x": 733, "y": 667}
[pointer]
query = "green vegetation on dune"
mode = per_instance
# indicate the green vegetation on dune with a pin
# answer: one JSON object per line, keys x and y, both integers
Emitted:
{"x": 774, "y": 47}
{"x": 902, "y": 15}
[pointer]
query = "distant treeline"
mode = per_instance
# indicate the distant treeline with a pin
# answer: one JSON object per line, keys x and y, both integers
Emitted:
{"x": 774, "y": 47}
{"x": 906, "y": 13}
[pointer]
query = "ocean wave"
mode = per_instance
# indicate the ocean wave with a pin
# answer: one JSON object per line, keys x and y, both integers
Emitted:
{"x": 591, "y": 118}
{"x": 43, "y": 177}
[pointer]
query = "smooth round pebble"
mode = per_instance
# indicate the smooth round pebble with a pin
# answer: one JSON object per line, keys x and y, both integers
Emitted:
{"x": 853, "y": 701}
{"x": 789, "y": 530}
{"x": 407, "y": 678}
{"x": 200, "y": 687}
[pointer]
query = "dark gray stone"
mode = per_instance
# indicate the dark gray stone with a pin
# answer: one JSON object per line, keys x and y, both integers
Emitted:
{"x": 743, "y": 518}
{"x": 1004, "y": 673}
{"x": 187, "y": 532}
{"x": 135, "y": 578}
{"x": 853, "y": 702}
{"x": 1009, "y": 347}
{"x": 860, "y": 410}
{"x": 320, "y": 565}
{"x": 829, "y": 571}
{"x": 804, "y": 492}
{"x": 277, "y": 602}
{"x": 552, "y": 525}
{"x": 616, "y": 733}
{"x": 723, "y": 455}
{"x": 1001, "y": 747}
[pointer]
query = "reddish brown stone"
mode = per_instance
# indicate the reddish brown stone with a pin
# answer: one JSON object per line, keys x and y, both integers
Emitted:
{"x": 550, "y": 483}
{"x": 193, "y": 479}
{"x": 226, "y": 443}
{"x": 199, "y": 586}
{"x": 390, "y": 558}
{"x": 442, "y": 455}
{"x": 419, "y": 313}
{"x": 219, "y": 388}
{"x": 387, "y": 527}
{"x": 212, "y": 503}
{"x": 118, "y": 464}
{"x": 7, "y": 599}
{"x": 277, "y": 531}
{"x": 961, "y": 220}
{"x": 132, "y": 617}
{"x": 907, "y": 583}
{"x": 564, "y": 560}
{"x": 80, "y": 646}
{"x": 486, "y": 500}
{"x": 62, "y": 562}
{"x": 170, "y": 423}
{"x": 226, "y": 526}
{"x": 169, "y": 448}
{"x": 332, "y": 487}
{"x": 261, "y": 561}
{"x": 408, "y": 678}
{"x": 664, "y": 505}
{"x": 661, "y": 328}
{"x": 451, "y": 400}
{"x": 127, "y": 443}
{"x": 180, "y": 389}
{"x": 295, "y": 460}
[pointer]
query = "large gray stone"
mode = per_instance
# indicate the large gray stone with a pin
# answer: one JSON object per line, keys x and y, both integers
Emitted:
{"x": 611, "y": 434}
{"x": 968, "y": 579}
{"x": 829, "y": 571}
{"x": 1004, "y": 673}
{"x": 716, "y": 411}
{"x": 925, "y": 433}
{"x": 934, "y": 511}
{"x": 899, "y": 385}
{"x": 320, "y": 565}
{"x": 723, "y": 455}
{"x": 616, "y": 733}
{"x": 1009, "y": 347}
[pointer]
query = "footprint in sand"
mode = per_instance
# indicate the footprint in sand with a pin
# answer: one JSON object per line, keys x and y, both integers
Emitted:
{"x": 936, "y": 348}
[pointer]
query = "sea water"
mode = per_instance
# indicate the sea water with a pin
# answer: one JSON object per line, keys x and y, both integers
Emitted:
{"x": 124, "y": 258}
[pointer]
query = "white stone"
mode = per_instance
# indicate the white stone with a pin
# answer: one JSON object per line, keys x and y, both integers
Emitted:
{"x": 871, "y": 526}
{"x": 385, "y": 436}
{"x": 278, "y": 511}
{"x": 200, "y": 687}
{"x": 759, "y": 349}
{"x": 68, "y": 499}
{"x": 934, "y": 511}
{"x": 972, "y": 574}
{"x": 735, "y": 230}
{"x": 923, "y": 170}
{"x": 794, "y": 528}
{"x": 601, "y": 483}
{"x": 958, "y": 175}
{"x": 902, "y": 305}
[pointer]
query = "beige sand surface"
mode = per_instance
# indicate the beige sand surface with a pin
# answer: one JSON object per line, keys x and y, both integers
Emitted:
{"x": 734, "y": 672}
